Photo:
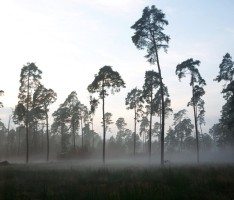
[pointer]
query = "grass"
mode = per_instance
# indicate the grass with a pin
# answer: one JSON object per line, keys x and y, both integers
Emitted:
{"x": 129, "y": 182}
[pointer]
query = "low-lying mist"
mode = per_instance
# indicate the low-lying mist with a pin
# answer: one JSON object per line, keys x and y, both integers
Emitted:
{"x": 219, "y": 157}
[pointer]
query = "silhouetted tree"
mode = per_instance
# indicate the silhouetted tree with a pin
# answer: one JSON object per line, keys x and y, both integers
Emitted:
{"x": 144, "y": 128}
{"x": 93, "y": 106}
{"x": 29, "y": 80}
{"x": 83, "y": 116}
{"x": 150, "y": 85}
{"x": 157, "y": 107}
{"x": 133, "y": 101}
{"x": 61, "y": 125}
{"x": 206, "y": 142}
{"x": 104, "y": 80}
{"x": 43, "y": 98}
{"x": 108, "y": 121}
{"x": 149, "y": 34}
{"x": 226, "y": 74}
{"x": 171, "y": 140}
{"x": 74, "y": 107}
{"x": 120, "y": 136}
{"x": 197, "y": 83}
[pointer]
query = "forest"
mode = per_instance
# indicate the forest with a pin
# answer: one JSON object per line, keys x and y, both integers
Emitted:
{"x": 61, "y": 155}
{"x": 72, "y": 134}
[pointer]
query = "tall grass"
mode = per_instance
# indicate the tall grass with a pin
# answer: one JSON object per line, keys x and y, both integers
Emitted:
{"x": 188, "y": 182}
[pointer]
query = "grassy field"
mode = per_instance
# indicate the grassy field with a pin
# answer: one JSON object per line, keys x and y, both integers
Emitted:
{"x": 51, "y": 181}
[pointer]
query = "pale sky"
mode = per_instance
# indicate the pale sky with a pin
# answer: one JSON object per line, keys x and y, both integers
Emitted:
{"x": 70, "y": 40}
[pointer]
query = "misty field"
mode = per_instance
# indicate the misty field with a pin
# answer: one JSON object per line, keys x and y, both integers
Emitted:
{"x": 59, "y": 181}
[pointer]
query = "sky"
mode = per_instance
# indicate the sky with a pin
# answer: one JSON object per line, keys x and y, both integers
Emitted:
{"x": 70, "y": 40}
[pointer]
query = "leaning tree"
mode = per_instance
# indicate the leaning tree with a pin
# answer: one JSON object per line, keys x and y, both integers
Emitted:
{"x": 196, "y": 82}
{"x": 104, "y": 80}
{"x": 149, "y": 35}
{"x": 133, "y": 101}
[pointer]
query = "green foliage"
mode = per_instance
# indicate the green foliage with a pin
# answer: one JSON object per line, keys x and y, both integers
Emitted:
{"x": 120, "y": 123}
{"x": 108, "y": 120}
{"x": 226, "y": 69}
{"x": 144, "y": 125}
{"x": 149, "y": 35}
{"x": 42, "y": 98}
{"x": 149, "y": 32}
{"x": 29, "y": 81}
{"x": 134, "y": 101}
{"x": 106, "y": 79}
{"x": 182, "y": 127}
{"x": 196, "y": 82}
{"x": 93, "y": 104}
{"x": 226, "y": 73}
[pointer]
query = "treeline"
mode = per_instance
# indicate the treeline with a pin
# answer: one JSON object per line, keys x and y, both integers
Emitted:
{"x": 72, "y": 133}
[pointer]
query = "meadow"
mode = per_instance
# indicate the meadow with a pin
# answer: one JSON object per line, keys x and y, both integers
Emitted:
{"x": 71, "y": 181}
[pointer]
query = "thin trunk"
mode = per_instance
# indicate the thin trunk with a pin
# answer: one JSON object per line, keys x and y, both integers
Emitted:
{"x": 196, "y": 129}
{"x": 104, "y": 126}
{"x": 151, "y": 113}
{"x": 47, "y": 138}
{"x": 162, "y": 103}
{"x": 134, "y": 139}
{"x": 74, "y": 135}
{"x": 163, "y": 111}
{"x": 8, "y": 130}
{"x": 19, "y": 142}
{"x": 27, "y": 123}
{"x": 92, "y": 135}
{"x": 82, "y": 135}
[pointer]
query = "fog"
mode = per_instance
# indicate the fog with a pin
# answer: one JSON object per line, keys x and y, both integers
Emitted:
{"x": 211, "y": 158}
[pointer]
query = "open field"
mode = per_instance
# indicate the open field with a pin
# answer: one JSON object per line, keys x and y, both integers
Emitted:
{"x": 60, "y": 181}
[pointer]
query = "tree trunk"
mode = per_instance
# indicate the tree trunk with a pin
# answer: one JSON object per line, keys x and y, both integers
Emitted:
{"x": 18, "y": 153}
{"x": 82, "y": 135}
{"x": 27, "y": 123}
{"x": 74, "y": 135}
{"x": 92, "y": 135}
{"x": 134, "y": 137}
{"x": 196, "y": 129}
{"x": 47, "y": 138}
{"x": 163, "y": 106}
{"x": 104, "y": 127}
{"x": 151, "y": 113}
{"x": 8, "y": 130}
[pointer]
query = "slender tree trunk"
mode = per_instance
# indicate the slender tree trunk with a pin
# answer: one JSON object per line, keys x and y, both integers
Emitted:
{"x": 162, "y": 102}
{"x": 104, "y": 126}
{"x": 8, "y": 131}
{"x": 82, "y": 135}
{"x": 151, "y": 113}
{"x": 92, "y": 135}
{"x": 134, "y": 139}
{"x": 74, "y": 135}
{"x": 196, "y": 129}
{"x": 27, "y": 123}
{"x": 47, "y": 138}
{"x": 18, "y": 153}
